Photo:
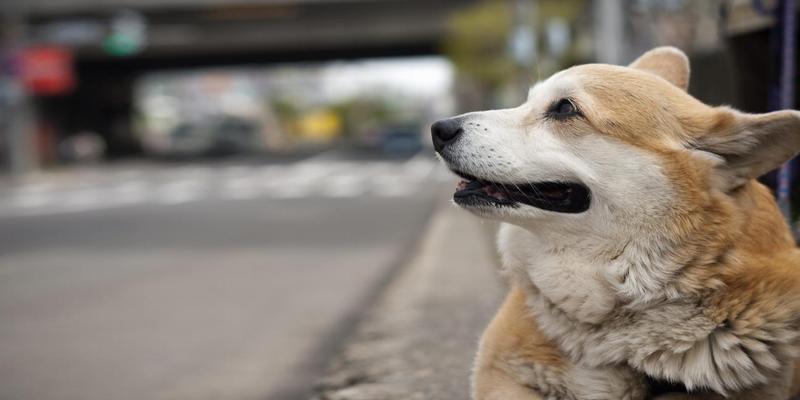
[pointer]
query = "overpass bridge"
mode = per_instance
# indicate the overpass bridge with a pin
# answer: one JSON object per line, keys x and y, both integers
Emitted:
{"x": 200, "y": 33}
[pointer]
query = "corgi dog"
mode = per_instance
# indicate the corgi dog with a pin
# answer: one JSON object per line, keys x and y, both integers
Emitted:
{"x": 638, "y": 245}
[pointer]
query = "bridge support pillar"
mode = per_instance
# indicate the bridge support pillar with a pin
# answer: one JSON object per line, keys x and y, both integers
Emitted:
{"x": 18, "y": 122}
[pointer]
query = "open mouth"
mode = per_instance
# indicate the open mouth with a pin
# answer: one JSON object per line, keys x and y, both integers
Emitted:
{"x": 564, "y": 197}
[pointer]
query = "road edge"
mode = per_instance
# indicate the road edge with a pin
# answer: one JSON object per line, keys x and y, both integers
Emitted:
{"x": 416, "y": 339}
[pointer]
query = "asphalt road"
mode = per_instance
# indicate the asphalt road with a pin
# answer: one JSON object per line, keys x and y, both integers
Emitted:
{"x": 221, "y": 293}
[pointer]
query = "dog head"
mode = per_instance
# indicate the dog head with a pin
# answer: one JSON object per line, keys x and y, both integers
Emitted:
{"x": 600, "y": 148}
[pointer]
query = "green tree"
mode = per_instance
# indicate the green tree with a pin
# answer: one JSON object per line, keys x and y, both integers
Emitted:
{"x": 476, "y": 43}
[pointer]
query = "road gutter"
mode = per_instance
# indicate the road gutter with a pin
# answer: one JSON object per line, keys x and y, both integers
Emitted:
{"x": 418, "y": 339}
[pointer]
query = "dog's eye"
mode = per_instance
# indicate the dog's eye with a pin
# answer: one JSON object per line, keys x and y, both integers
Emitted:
{"x": 563, "y": 108}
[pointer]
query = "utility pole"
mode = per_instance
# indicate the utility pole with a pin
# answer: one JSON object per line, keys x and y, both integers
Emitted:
{"x": 609, "y": 32}
{"x": 523, "y": 46}
{"x": 19, "y": 127}
{"x": 788, "y": 32}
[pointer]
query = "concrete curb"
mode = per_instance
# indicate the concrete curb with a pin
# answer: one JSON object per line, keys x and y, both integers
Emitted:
{"x": 418, "y": 340}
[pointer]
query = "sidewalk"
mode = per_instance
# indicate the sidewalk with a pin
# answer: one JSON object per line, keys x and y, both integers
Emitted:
{"x": 419, "y": 339}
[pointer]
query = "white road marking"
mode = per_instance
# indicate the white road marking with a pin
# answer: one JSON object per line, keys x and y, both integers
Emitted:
{"x": 134, "y": 173}
{"x": 317, "y": 176}
{"x": 419, "y": 167}
{"x": 239, "y": 188}
{"x": 291, "y": 192}
{"x": 193, "y": 172}
{"x": 130, "y": 192}
{"x": 30, "y": 200}
{"x": 236, "y": 170}
{"x": 308, "y": 172}
{"x": 35, "y": 188}
{"x": 345, "y": 185}
{"x": 393, "y": 190}
{"x": 180, "y": 192}
{"x": 81, "y": 199}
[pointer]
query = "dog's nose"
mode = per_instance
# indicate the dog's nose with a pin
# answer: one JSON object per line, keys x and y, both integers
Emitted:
{"x": 445, "y": 131}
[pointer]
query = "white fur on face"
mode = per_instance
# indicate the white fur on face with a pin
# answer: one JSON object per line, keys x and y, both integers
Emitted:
{"x": 520, "y": 145}
{"x": 571, "y": 258}
{"x": 564, "y": 276}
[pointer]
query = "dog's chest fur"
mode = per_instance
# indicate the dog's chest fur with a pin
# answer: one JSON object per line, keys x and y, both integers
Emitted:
{"x": 565, "y": 279}
{"x": 677, "y": 339}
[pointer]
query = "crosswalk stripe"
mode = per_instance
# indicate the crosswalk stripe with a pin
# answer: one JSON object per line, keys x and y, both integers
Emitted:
{"x": 179, "y": 192}
{"x": 346, "y": 185}
{"x": 130, "y": 192}
{"x": 393, "y": 190}
{"x": 291, "y": 192}
{"x": 241, "y": 188}
{"x": 30, "y": 200}
{"x": 317, "y": 177}
{"x": 82, "y": 198}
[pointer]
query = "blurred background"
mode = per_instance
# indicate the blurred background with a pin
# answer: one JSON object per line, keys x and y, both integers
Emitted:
{"x": 198, "y": 198}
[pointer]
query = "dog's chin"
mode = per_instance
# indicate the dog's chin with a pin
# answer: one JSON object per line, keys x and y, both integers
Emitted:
{"x": 496, "y": 199}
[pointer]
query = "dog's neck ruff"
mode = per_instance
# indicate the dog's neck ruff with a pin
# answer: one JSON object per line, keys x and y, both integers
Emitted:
{"x": 647, "y": 305}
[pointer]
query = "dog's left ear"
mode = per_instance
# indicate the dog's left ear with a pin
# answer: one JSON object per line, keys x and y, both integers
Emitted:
{"x": 667, "y": 62}
{"x": 750, "y": 144}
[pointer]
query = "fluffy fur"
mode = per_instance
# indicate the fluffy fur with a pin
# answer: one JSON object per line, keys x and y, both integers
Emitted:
{"x": 682, "y": 269}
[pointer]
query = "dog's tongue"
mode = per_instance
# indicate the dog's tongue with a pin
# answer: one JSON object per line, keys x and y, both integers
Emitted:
{"x": 470, "y": 185}
{"x": 489, "y": 189}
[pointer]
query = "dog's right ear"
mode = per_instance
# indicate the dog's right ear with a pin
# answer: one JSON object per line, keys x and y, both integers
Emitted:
{"x": 667, "y": 62}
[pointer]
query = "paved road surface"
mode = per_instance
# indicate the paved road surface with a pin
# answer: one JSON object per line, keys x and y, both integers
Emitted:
{"x": 201, "y": 282}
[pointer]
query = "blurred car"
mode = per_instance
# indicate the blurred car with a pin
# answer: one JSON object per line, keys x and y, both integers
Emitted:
{"x": 401, "y": 142}
{"x": 393, "y": 141}
{"x": 83, "y": 147}
{"x": 221, "y": 135}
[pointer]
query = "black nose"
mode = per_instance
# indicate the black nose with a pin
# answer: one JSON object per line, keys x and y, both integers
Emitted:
{"x": 445, "y": 131}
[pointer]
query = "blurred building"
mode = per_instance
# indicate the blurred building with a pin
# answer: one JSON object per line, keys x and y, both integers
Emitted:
{"x": 113, "y": 43}
{"x": 92, "y": 53}
{"x": 733, "y": 44}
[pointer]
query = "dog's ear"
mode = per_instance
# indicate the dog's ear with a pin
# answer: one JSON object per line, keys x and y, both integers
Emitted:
{"x": 667, "y": 62}
{"x": 750, "y": 144}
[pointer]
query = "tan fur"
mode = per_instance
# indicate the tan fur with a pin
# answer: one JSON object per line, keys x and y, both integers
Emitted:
{"x": 511, "y": 350}
{"x": 729, "y": 273}
{"x": 517, "y": 361}
{"x": 754, "y": 293}
{"x": 668, "y": 63}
